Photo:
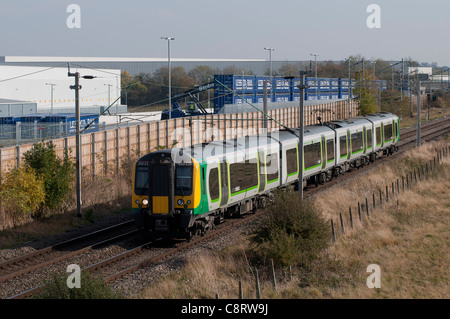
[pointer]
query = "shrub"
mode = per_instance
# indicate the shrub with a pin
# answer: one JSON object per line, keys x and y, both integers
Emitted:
{"x": 56, "y": 173}
{"x": 21, "y": 193}
{"x": 292, "y": 233}
{"x": 92, "y": 287}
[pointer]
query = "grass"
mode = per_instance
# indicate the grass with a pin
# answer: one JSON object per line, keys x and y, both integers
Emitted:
{"x": 409, "y": 238}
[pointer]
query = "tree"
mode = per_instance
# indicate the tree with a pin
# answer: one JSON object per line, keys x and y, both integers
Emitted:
{"x": 22, "y": 193}
{"x": 202, "y": 74}
{"x": 56, "y": 173}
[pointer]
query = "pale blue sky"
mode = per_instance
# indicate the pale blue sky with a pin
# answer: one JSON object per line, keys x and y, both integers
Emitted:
{"x": 333, "y": 29}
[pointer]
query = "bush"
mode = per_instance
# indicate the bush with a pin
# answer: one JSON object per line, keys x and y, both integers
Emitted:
{"x": 56, "y": 173}
{"x": 92, "y": 287}
{"x": 292, "y": 234}
{"x": 21, "y": 193}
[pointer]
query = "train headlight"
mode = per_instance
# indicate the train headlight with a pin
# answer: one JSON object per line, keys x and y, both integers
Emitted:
{"x": 180, "y": 202}
{"x": 145, "y": 201}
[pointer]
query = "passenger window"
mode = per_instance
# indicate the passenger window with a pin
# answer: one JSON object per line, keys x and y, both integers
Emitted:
{"x": 243, "y": 175}
{"x": 378, "y": 135}
{"x": 272, "y": 167}
{"x": 291, "y": 161}
{"x": 213, "y": 184}
{"x": 330, "y": 150}
{"x": 357, "y": 142}
{"x": 343, "y": 145}
{"x": 312, "y": 155}
{"x": 387, "y": 132}
{"x": 369, "y": 138}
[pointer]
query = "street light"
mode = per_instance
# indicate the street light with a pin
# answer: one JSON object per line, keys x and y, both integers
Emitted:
{"x": 52, "y": 85}
{"x": 270, "y": 59}
{"x": 170, "y": 79}
{"x": 302, "y": 88}
{"x": 77, "y": 88}
{"x": 315, "y": 67}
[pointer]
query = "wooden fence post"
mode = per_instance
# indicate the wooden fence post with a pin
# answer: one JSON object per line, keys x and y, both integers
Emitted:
{"x": 274, "y": 279}
{"x": 258, "y": 292}
{"x": 342, "y": 223}
{"x": 332, "y": 230}
{"x": 351, "y": 216}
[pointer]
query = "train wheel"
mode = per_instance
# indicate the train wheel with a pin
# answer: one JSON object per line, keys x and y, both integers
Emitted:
{"x": 322, "y": 178}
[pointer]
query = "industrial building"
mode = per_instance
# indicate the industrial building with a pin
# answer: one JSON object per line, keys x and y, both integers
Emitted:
{"x": 136, "y": 66}
{"x": 49, "y": 88}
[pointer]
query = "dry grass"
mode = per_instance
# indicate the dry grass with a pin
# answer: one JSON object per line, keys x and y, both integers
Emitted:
{"x": 409, "y": 238}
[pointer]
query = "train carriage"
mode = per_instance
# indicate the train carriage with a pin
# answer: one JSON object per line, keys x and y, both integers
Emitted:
{"x": 181, "y": 192}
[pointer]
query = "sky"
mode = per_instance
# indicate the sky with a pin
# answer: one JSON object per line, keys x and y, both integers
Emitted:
{"x": 228, "y": 29}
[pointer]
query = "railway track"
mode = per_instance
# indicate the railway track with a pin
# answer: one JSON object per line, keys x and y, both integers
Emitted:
{"x": 150, "y": 253}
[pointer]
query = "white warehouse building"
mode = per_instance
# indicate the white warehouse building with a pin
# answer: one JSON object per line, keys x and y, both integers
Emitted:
{"x": 49, "y": 88}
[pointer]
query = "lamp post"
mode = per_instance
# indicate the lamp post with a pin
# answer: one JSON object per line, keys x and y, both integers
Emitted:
{"x": 52, "y": 85}
{"x": 315, "y": 73}
{"x": 302, "y": 88}
{"x": 170, "y": 78}
{"x": 270, "y": 59}
{"x": 77, "y": 88}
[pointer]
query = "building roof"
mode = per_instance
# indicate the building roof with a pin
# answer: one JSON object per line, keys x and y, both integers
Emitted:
{"x": 9, "y": 101}
{"x": 11, "y": 59}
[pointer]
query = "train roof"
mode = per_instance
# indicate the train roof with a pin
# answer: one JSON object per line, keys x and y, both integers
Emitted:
{"x": 347, "y": 123}
{"x": 380, "y": 116}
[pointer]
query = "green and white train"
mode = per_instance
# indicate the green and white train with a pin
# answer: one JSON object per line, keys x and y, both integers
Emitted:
{"x": 181, "y": 192}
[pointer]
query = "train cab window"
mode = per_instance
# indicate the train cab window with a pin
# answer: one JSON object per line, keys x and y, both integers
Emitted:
{"x": 357, "y": 142}
{"x": 378, "y": 135}
{"x": 141, "y": 181}
{"x": 160, "y": 180}
{"x": 291, "y": 161}
{"x": 369, "y": 138}
{"x": 343, "y": 145}
{"x": 330, "y": 150}
{"x": 388, "y": 132}
{"x": 183, "y": 180}
{"x": 272, "y": 167}
{"x": 243, "y": 175}
{"x": 312, "y": 155}
{"x": 214, "y": 191}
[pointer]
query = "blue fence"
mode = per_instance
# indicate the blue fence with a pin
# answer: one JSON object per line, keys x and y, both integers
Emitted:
{"x": 36, "y": 126}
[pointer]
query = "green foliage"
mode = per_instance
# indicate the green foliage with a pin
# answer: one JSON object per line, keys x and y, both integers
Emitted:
{"x": 21, "y": 193}
{"x": 92, "y": 287}
{"x": 56, "y": 173}
{"x": 367, "y": 102}
{"x": 292, "y": 234}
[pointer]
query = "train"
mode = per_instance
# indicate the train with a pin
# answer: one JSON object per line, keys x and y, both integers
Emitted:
{"x": 182, "y": 192}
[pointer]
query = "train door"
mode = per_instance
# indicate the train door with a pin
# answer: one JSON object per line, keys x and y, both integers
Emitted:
{"x": 224, "y": 182}
{"x": 349, "y": 145}
{"x": 364, "y": 140}
{"x": 162, "y": 189}
{"x": 324, "y": 151}
{"x": 262, "y": 170}
{"x": 394, "y": 131}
